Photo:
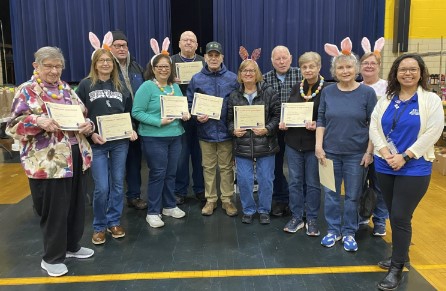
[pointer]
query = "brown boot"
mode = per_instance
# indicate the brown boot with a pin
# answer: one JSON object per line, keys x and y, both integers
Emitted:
{"x": 230, "y": 208}
{"x": 208, "y": 209}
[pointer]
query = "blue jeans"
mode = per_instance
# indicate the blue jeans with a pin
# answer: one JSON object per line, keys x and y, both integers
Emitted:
{"x": 190, "y": 148}
{"x": 347, "y": 168}
{"x": 245, "y": 181}
{"x": 162, "y": 154}
{"x": 108, "y": 170}
{"x": 303, "y": 169}
{"x": 380, "y": 213}
{"x": 280, "y": 193}
{"x": 133, "y": 170}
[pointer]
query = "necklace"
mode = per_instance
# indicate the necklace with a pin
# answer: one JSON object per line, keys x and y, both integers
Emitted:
{"x": 162, "y": 88}
{"x": 45, "y": 89}
{"x": 315, "y": 92}
{"x": 185, "y": 60}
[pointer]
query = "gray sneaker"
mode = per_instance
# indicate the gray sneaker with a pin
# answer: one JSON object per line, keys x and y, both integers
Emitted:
{"x": 54, "y": 270}
{"x": 82, "y": 253}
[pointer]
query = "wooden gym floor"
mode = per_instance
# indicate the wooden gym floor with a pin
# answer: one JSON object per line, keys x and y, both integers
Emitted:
{"x": 213, "y": 253}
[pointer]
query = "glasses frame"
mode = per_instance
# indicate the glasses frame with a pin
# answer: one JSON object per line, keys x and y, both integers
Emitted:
{"x": 49, "y": 68}
{"x": 402, "y": 71}
{"x": 120, "y": 46}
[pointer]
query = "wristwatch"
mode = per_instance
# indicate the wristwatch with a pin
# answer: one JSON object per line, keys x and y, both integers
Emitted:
{"x": 406, "y": 157}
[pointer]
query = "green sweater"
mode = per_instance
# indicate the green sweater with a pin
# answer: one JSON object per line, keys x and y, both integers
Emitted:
{"x": 147, "y": 109}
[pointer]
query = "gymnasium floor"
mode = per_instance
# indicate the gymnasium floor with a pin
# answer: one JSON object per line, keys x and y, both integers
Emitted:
{"x": 214, "y": 253}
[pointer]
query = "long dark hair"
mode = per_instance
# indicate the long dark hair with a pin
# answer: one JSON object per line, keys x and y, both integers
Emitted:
{"x": 394, "y": 87}
{"x": 149, "y": 74}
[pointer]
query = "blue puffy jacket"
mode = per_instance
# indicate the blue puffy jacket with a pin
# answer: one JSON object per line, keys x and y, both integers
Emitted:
{"x": 219, "y": 84}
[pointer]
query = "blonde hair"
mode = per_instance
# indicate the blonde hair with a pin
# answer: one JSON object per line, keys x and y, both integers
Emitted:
{"x": 310, "y": 57}
{"x": 94, "y": 76}
{"x": 243, "y": 65}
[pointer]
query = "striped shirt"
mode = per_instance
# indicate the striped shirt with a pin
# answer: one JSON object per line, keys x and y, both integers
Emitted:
{"x": 292, "y": 77}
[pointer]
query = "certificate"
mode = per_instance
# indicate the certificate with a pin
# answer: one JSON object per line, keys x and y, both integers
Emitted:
{"x": 296, "y": 114}
{"x": 173, "y": 106}
{"x": 67, "y": 116}
{"x": 207, "y": 105}
{"x": 186, "y": 70}
{"x": 115, "y": 126}
{"x": 326, "y": 175}
{"x": 249, "y": 116}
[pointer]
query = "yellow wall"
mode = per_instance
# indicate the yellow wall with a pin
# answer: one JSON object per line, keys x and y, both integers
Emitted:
{"x": 427, "y": 19}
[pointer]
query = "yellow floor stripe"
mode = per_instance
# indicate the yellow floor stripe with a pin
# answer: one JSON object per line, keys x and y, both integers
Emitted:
{"x": 190, "y": 275}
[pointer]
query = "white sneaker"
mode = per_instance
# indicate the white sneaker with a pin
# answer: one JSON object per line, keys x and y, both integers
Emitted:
{"x": 154, "y": 220}
{"x": 54, "y": 270}
{"x": 82, "y": 253}
{"x": 174, "y": 212}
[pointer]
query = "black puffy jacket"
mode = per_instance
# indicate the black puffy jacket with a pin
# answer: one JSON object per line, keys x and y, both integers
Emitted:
{"x": 251, "y": 145}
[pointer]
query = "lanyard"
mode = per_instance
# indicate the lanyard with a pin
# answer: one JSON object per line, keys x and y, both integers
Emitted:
{"x": 396, "y": 117}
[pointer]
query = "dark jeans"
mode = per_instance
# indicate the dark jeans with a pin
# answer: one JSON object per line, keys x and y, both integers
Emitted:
{"x": 133, "y": 170}
{"x": 60, "y": 203}
{"x": 280, "y": 186}
{"x": 402, "y": 195}
{"x": 190, "y": 148}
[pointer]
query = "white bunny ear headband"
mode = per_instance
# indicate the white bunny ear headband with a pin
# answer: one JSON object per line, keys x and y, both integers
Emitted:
{"x": 346, "y": 48}
{"x": 96, "y": 44}
{"x": 379, "y": 44}
{"x": 155, "y": 48}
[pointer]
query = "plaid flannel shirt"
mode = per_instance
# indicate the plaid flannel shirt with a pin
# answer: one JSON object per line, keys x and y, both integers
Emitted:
{"x": 292, "y": 77}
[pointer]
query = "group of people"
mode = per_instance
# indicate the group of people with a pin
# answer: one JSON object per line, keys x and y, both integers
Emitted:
{"x": 380, "y": 130}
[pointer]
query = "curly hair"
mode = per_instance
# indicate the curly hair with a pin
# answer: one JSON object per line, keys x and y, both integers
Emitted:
{"x": 394, "y": 87}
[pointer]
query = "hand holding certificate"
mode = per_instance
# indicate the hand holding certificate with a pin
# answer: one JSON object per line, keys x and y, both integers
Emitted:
{"x": 186, "y": 70}
{"x": 207, "y": 105}
{"x": 67, "y": 116}
{"x": 250, "y": 116}
{"x": 173, "y": 106}
{"x": 296, "y": 114}
{"x": 115, "y": 126}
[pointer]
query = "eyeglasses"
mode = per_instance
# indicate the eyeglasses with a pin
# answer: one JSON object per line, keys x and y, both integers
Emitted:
{"x": 405, "y": 70}
{"x": 371, "y": 64}
{"x": 120, "y": 46}
{"x": 105, "y": 61}
{"x": 49, "y": 67}
{"x": 246, "y": 72}
{"x": 162, "y": 67}
{"x": 188, "y": 40}
{"x": 310, "y": 67}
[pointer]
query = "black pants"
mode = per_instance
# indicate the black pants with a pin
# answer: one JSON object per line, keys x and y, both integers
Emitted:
{"x": 60, "y": 204}
{"x": 402, "y": 195}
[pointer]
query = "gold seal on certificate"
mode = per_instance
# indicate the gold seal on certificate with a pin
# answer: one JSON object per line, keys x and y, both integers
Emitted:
{"x": 173, "y": 106}
{"x": 186, "y": 70}
{"x": 207, "y": 105}
{"x": 296, "y": 114}
{"x": 115, "y": 126}
{"x": 67, "y": 116}
{"x": 249, "y": 116}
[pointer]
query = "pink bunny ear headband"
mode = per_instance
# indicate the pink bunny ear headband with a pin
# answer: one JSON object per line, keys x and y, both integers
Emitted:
{"x": 245, "y": 56}
{"x": 155, "y": 48}
{"x": 379, "y": 44}
{"x": 346, "y": 48}
{"x": 96, "y": 44}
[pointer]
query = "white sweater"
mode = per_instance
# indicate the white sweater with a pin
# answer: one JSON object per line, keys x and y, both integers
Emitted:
{"x": 431, "y": 125}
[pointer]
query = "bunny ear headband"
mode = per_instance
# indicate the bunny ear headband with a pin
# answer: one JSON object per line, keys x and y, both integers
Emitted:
{"x": 346, "y": 48}
{"x": 155, "y": 48}
{"x": 379, "y": 44}
{"x": 245, "y": 56}
{"x": 96, "y": 44}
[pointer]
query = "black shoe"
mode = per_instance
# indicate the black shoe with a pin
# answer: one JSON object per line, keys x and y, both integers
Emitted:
{"x": 201, "y": 197}
{"x": 385, "y": 264}
{"x": 247, "y": 219}
{"x": 279, "y": 208}
{"x": 180, "y": 199}
{"x": 264, "y": 218}
{"x": 137, "y": 203}
{"x": 392, "y": 279}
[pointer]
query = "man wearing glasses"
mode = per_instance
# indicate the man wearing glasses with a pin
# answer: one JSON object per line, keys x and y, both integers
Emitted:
{"x": 190, "y": 147}
{"x": 131, "y": 76}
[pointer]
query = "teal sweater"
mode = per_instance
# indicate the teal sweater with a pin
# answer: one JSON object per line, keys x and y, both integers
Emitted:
{"x": 147, "y": 109}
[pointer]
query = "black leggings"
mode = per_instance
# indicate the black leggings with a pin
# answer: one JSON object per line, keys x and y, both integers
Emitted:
{"x": 402, "y": 195}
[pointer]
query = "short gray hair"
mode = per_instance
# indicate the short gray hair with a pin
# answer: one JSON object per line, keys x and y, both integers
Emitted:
{"x": 48, "y": 52}
{"x": 351, "y": 58}
{"x": 310, "y": 57}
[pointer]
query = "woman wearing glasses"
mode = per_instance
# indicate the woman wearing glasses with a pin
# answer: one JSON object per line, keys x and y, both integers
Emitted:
{"x": 404, "y": 128}
{"x": 257, "y": 145}
{"x": 161, "y": 138}
{"x": 103, "y": 94}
